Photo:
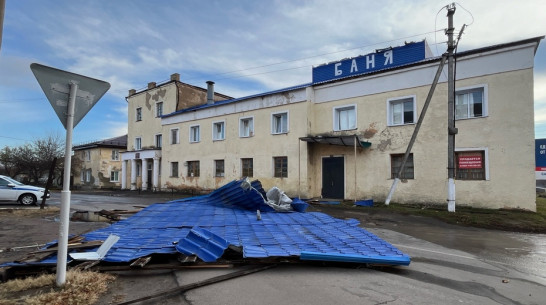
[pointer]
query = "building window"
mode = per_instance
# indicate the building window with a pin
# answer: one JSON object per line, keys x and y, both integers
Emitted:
{"x": 139, "y": 114}
{"x": 87, "y": 155}
{"x": 82, "y": 175}
{"x": 115, "y": 155}
{"x": 396, "y": 162}
{"x": 401, "y": 111}
{"x": 159, "y": 109}
{"x": 174, "y": 136}
{"x": 279, "y": 123}
{"x": 193, "y": 168}
{"x": 471, "y": 103}
{"x": 138, "y": 143}
{"x": 174, "y": 169}
{"x": 247, "y": 167}
{"x": 158, "y": 140}
{"x": 114, "y": 176}
{"x": 88, "y": 175}
{"x": 246, "y": 127}
{"x": 470, "y": 165}
{"x": 218, "y": 168}
{"x": 345, "y": 118}
{"x": 138, "y": 169}
{"x": 218, "y": 131}
{"x": 280, "y": 165}
{"x": 194, "y": 134}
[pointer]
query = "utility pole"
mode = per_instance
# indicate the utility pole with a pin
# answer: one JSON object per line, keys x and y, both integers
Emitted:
{"x": 451, "y": 130}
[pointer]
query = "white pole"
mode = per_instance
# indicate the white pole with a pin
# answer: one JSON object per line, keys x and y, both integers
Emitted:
{"x": 62, "y": 252}
{"x": 393, "y": 187}
{"x": 356, "y": 139}
{"x": 451, "y": 195}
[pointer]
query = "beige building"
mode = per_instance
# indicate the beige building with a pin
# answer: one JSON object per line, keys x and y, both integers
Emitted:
{"x": 343, "y": 136}
{"x": 98, "y": 164}
{"x": 146, "y": 136}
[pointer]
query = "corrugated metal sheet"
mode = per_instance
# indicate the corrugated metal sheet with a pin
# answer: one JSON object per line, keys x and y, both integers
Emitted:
{"x": 206, "y": 225}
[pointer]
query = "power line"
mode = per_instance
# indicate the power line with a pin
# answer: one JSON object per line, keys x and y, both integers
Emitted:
{"x": 308, "y": 57}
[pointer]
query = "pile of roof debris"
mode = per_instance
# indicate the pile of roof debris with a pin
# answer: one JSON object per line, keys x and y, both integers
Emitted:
{"x": 238, "y": 223}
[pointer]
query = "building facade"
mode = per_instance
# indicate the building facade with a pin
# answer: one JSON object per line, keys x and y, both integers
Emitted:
{"x": 343, "y": 135}
{"x": 141, "y": 163}
{"x": 98, "y": 164}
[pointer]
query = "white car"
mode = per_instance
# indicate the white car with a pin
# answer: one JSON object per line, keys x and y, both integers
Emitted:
{"x": 14, "y": 190}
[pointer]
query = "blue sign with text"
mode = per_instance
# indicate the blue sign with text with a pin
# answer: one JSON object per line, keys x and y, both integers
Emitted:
{"x": 382, "y": 59}
{"x": 540, "y": 155}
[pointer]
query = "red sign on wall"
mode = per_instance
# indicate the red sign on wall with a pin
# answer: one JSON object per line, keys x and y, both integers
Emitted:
{"x": 466, "y": 162}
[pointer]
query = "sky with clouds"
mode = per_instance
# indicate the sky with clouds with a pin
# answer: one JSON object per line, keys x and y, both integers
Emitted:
{"x": 245, "y": 46}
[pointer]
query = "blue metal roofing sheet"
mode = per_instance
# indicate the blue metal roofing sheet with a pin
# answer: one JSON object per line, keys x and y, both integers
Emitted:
{"x": 206, "y": 225}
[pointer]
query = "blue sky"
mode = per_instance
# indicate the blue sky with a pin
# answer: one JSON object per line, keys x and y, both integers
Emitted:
{"x": 245, "y": 46}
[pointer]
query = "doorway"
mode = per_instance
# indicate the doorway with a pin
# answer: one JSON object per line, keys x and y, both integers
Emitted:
{"x": 333, "y": 177}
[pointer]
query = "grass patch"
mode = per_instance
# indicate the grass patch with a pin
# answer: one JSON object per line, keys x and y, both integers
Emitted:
{"x": 502, "y": 219}
{"x": 47, "y": 211}
{"x": 81, "y": 287}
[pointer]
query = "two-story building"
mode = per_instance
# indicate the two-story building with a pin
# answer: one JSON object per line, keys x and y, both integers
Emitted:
{"x": 147, "y": 136}
{"x": 98, "y": 164}
{"x": 344, "y": 134}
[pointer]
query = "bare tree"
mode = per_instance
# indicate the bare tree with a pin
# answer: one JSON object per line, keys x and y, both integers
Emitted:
{"x": 33, "y": 159}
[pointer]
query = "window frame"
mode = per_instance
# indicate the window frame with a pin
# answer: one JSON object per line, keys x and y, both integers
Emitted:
{"x": 403, "y": 177}
{"x": 485, "y": 103}
{"x": 216, "y": 169}
{"x": 245, "y": 170}
{"x": 158, "y": 109}
{"x": 396, "y": 100}
{"x": 223, "y": 124}
{"x": 88, "y": 175}
{"x": 193, "y": 168}
{"x": 116, "y": 176}
{"x": 283, "y": 167}
{"x": 251, "y": 128}
{"x": 158, "y": 144}
{"x": 195, "y": 137}
{"x": 138, "y": 114}
{"x": 336, "y": 120}
{"x": 274, "y": 115}
{"x": 174, "y": 140}
{"x": 175, "y": 174}
{"x": 138, "y": 143}
{"x": 485, "y": 151}
{"x": 87, "y": 155}
{"x": 115, "y": 154}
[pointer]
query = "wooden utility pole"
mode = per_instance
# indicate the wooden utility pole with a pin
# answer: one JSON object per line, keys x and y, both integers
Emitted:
{"x": 49, "y": 180}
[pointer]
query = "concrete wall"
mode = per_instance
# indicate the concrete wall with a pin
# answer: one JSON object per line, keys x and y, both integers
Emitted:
{"x": 101, "y": 164}
{"x": 506, "y": 133}
{"x": 150, "y": 125}
{"x": 262, "y": 146}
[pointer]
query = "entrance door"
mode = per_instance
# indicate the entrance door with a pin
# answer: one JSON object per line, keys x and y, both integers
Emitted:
{"x": 333, "y": 177}
{"x": 150, "y": 172}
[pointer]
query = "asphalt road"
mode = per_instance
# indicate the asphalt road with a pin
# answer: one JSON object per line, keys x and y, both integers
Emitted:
{"x": 450, "y": 265}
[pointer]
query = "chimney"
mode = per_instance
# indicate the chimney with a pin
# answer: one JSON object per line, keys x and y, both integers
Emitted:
{"x": 132, "y": 91}
{"x": 210, "y": 92}
{"x": 175, "y": 76}
{"x": 151, "y": 85}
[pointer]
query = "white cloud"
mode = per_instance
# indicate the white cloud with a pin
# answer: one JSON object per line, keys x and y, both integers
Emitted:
{"x": 131, "y": 45}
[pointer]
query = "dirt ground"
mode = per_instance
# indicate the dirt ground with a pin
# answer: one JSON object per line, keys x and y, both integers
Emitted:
{"x": 32, "y": 227}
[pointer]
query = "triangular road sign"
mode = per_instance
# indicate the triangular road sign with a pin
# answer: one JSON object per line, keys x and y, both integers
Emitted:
{"x": 56, "y": 85}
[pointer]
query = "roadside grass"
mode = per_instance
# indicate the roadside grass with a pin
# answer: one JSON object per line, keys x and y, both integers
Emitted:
{"x": 81, "y": 287}
{"x": 501, "y": 219}
{"x": 47, "y": 211}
